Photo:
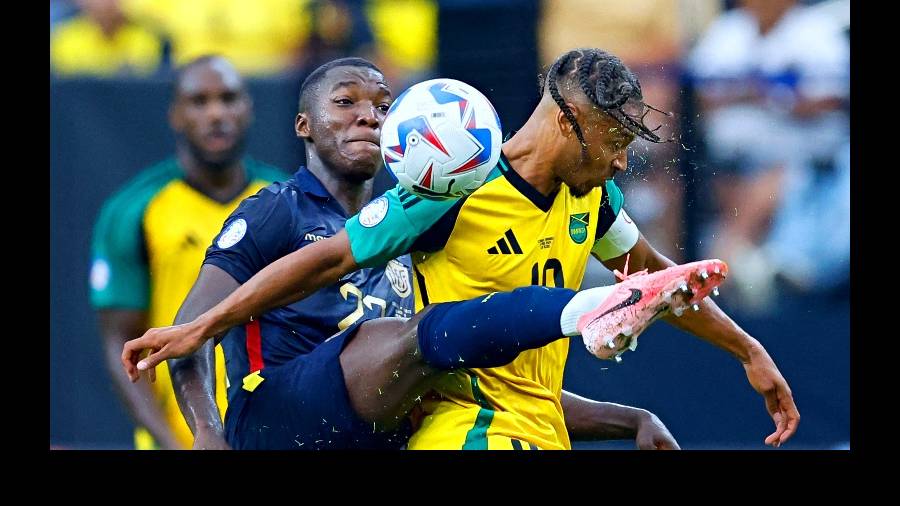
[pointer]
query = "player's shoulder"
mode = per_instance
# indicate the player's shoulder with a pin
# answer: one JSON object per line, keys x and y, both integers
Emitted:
{"x": 612, "y": 196}
{"x": 137, "y": 192}
{"x": 274, "y": 204}
{"x": 390, "y": 224}
{"x": 73, "y": 28}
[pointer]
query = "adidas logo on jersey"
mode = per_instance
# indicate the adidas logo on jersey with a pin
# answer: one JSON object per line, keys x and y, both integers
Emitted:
{"x": 506, "y": 248}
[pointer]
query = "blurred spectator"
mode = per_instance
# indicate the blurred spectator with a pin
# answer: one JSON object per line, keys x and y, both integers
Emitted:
{"x": 649, "y": 37}
{"x": 261, "y": 37}
{"x": 102, "y": 42}
{"x": 264, "y": 37}
{"x": 809, "y": 246}
{"x": 338, "y": 28}
{"x": 405, "y": 33}
{"x": 61, "y": 10}
{"x": 772, "y": 79}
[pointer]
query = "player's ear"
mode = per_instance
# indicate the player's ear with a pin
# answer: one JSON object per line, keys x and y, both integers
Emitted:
{"x": 301, "y": 125}
{"x": 563, "y": 123}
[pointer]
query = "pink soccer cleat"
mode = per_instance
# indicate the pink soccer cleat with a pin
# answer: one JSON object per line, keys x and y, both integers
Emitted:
{"x": 641, "y": 298}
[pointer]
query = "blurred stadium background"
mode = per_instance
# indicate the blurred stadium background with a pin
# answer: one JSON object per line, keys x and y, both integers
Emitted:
{"x": 759, "y": 175}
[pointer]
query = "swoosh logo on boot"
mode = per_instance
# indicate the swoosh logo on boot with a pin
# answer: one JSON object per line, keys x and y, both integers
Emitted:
{"x": 635, "y": 297}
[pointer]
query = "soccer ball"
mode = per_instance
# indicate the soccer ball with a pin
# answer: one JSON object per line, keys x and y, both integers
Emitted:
{"x": 441, "y": 138}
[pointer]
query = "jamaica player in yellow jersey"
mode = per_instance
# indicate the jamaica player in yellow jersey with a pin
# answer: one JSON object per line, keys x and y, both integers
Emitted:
{"x": 550, "y": 204}
{"x": 151, "y": 236}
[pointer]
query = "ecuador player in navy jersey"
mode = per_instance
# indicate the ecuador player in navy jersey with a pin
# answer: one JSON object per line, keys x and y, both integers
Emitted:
{"x": 288, "y": 384}
{"x": 561, "y": 164}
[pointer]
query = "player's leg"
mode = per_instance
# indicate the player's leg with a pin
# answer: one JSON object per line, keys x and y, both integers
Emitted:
{"x": 390, "y": 362}
{"x": 354, "y": 390}
{"x": 303, "y": 404}
{"x": 612, "y": 327}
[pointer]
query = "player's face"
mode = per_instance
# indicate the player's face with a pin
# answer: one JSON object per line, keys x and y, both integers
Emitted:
{"x": 607, "y": 154}
{"x": 345, "y": 124}
{"x": 212, "y": 112}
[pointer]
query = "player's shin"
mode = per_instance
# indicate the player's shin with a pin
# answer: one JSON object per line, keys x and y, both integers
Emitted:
{"x": 492, "y": 330}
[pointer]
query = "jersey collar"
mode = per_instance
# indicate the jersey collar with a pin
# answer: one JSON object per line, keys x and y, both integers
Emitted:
{"x": 542, "y": 202}
{"x": 249, "y": 174}
{"x": 310, "y": 184}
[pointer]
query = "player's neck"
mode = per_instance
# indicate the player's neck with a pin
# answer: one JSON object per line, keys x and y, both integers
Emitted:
{"x": 221, "y": 185}
{"x": 352, "y": 195}
{"x": 533, "y": 164}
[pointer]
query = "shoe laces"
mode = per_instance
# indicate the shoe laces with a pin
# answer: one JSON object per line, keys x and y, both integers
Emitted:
{"x": 622, "y": 277}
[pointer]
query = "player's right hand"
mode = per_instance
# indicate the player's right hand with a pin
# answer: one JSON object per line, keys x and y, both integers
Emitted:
{"x": 766, "y": 379}
{"x": 161, "y": 344}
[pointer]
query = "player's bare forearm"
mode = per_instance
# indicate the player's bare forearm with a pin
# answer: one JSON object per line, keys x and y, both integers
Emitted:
{"x": 193, "y": 377}
{"x": 592, "y": 420}
{"x": 288, "y": 279}
{"x": 710, "y": 323}
{"x": 598, "y": 421}
{"x": 291, "y": 278}
{"x": 117, "y": 326}
{"x": 713, "y": 325}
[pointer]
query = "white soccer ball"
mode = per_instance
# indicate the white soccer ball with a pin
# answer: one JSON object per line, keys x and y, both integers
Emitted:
{"x": 441, "y": 138}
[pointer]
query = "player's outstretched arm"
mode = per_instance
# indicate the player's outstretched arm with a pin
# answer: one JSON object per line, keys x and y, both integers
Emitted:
{"x": 287, "y": 280}
{"x": 599, "y": 421}
{"x": 194, "y": 376}
{"x": 714, "y": 326}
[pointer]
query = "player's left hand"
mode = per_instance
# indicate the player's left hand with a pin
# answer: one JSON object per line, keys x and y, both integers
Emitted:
{"x": 768, "y": 381}
{"x": 653, "y": 435}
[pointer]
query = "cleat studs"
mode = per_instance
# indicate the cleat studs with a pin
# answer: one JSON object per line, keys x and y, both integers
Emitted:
{"x": 717, "y": 270}
{"x": 611, "y": 344}
{"x": 627, "y": 331}
{"x": 715, "y": 292}
{"x": 678, "y": 311}
{"x": 683, "y": 287}
{"x": 618, "y": 359}
{"x": 695, "y": 307}
{"x": 704, "y": 275}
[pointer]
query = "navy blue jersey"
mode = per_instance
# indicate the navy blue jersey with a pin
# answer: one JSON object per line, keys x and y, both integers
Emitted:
{"x": 280, "y": 219}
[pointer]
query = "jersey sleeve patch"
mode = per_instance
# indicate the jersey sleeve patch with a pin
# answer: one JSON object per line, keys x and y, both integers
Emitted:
{"x": 119, "y": 275}
{"x": 388, "y": 226}
{"x": 256, "y": 234}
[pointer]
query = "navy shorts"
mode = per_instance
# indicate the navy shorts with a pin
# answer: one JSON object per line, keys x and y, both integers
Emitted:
{"x": 303, "y": 405}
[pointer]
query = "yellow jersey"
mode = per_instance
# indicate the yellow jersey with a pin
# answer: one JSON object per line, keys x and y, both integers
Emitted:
{"x": 504, "y": 235}
{"x": 79, "y": 47}
{"x": 148, "y": 245}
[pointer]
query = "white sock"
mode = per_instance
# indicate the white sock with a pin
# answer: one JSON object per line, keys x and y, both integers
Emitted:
{"x": 582, "y": 302}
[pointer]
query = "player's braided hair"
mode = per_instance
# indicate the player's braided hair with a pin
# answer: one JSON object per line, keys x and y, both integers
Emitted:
{"x": 316, "y": 75}
{"x": 609, "y": 84}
